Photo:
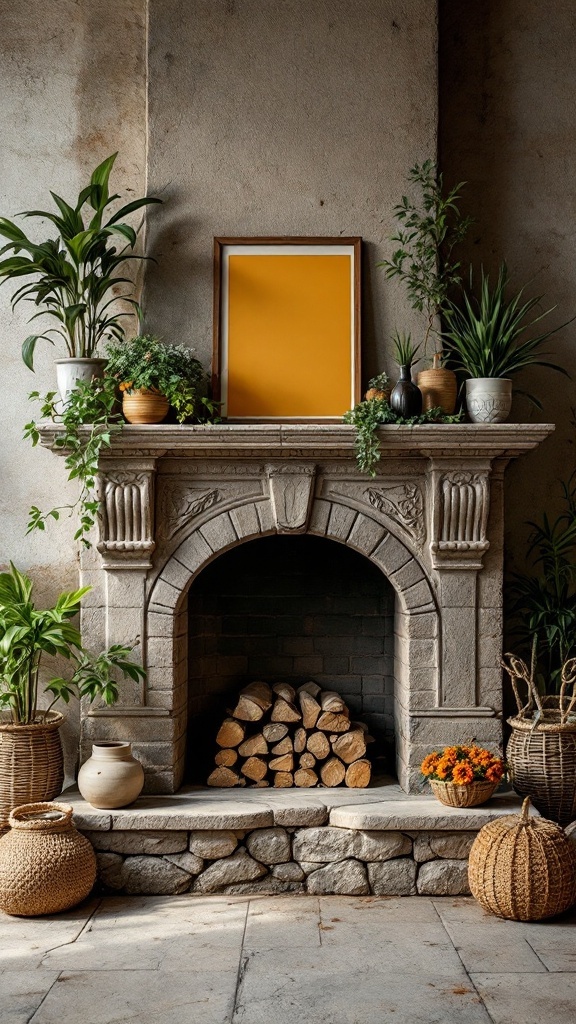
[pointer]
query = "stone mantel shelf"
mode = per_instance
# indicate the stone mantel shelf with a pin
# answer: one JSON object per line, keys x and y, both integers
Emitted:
{"x": 317, "y": 440}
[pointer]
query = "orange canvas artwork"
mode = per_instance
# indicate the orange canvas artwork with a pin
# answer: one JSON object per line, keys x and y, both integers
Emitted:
{"x": 288, "y": 335}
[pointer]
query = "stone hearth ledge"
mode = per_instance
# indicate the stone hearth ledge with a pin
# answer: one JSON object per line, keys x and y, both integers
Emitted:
{"x": 379, "y": 808}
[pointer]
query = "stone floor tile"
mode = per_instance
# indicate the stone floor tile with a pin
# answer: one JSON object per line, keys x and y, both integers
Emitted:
{"x": 21, "y": 993}
{"x": 24, "y": 941}
{"x": 139, "y": 997}
{"x": 315, "y": 995}
{"x": 383, "y": 909}
{"x": 528, "y": 999}
{"x": 152, "y": 934}
{"x": 284, "y": 921}
{"x": 481, "y": 952}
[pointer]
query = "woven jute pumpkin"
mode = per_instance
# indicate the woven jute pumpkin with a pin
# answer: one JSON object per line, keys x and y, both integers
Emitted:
{"x": 31, "y": 762}
{"x": 523, "y": 868}
{"x": 45, "y": 864}
{"x": 541, "y": 751}
{"x": 470, "y": 794}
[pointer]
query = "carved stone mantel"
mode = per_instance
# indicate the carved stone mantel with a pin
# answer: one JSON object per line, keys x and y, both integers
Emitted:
{"x": 174, "y": 497}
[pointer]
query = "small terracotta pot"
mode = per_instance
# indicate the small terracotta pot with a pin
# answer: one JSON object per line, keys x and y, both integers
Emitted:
{"x": 439, "y": 388}
{"x": 145, "y": 405}
{"x": 112, "y": 777}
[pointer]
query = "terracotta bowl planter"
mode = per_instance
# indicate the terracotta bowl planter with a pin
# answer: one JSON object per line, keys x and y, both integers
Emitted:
{"x": 146, "y": 405}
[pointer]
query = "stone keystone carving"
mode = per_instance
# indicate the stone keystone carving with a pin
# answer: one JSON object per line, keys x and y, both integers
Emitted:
{"x": 180, "y": 504}
{"x": 126, "y": 516}
{"x": 403, "y": 503}
{"x": 291, "y": 489}
{"x": 464, "y": 505}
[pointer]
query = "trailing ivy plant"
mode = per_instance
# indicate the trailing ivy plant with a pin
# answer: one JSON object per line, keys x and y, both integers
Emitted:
{"x": 431, "y": 226}
{"x": 85, "y": 427}
{"x": 368, "y": 416}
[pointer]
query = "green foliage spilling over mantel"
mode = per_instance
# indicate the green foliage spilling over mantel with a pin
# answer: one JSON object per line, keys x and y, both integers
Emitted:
{"x": 368, "y": 416}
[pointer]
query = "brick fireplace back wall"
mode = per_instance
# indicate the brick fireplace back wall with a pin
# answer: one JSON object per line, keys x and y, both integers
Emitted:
{"x": 290, "y": 609}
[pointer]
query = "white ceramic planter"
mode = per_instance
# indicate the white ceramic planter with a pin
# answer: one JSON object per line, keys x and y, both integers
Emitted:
{"x": 489, "y": 399}
{"x": 112, "y": 777}
{"x": 68, "y": 371}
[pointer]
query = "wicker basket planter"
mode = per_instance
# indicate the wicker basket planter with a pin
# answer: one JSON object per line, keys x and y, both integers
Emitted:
{"x": 470, "y": 794}
{"x": 523, "y": 868}
{"x": 542, "y": 759}
{"x": 46, "y": 866}
{"x": 31, "y": 762}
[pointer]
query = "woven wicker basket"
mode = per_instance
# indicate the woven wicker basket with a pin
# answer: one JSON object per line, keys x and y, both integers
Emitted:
{"x": 523, "y": 868}
{"x": 31, "y": 762}
{"x": 45, "y": 865}
{"x": 469, "y": 795}
{"x": 542, "y": 760}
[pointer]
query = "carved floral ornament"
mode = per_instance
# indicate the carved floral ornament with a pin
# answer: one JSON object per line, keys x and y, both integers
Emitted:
{"x": 404, "y": 504}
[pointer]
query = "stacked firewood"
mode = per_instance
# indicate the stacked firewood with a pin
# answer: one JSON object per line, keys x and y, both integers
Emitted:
{"x": 279, "y": 736}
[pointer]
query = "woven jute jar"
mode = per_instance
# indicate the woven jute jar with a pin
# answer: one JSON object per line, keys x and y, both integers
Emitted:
{"x": 31, "y": 762}
{"x": 45, "y": 864}
{"x": 523, "y": 868}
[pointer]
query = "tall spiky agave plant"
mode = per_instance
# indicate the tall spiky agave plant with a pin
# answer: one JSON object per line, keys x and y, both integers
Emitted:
{"x": 75, "y": 275}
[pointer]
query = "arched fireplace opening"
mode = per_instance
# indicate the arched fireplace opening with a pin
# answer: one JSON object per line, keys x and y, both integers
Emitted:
{"x": 290, "y": 609}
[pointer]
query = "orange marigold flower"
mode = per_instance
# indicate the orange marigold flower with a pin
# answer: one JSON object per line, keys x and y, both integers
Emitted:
{"x": 444, "y": 767}
{"x": 428, "y": 766}
{"x": 495, "y": 772}
{"x": 125, "y": 385}
{"x": 463, "y": 773}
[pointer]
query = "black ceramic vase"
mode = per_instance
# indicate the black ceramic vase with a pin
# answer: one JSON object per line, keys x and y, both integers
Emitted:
{"x": 406, "y": 397}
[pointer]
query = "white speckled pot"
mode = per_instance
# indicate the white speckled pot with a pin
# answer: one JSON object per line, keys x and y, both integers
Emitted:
{"x": 489, "y": 399}
{"x": 112, "y": 777}
{"x": 68, "y": 371}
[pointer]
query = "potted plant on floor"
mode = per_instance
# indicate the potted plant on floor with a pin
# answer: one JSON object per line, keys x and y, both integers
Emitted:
{"x": 155, "y": 377}
{"x": 76, "y": 276}
{"x": 542, "y": 608}
{"x": 431, "y": 227}
{"x": 31, "y": 763}
{"x": 491, "y": 339}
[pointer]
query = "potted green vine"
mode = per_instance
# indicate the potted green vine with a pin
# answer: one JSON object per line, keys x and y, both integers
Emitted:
{"x": 31, "y": 762}
{"x": 76, "y": 276}
{"x": 154, "y": 377}
{"x": 431, "y": 227}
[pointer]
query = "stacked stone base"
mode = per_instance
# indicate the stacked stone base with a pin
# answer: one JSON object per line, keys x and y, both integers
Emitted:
{"x": 325, "y": 860}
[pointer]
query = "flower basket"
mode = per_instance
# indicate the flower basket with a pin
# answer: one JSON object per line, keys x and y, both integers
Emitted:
{"x": 469, "y": 795}
{"x": 463, "y": 776}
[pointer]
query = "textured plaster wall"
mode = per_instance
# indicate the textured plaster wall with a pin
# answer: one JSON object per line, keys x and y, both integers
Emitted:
{"x": 507, "y": 127}
{"x": 283, "y": 118}
{"x": 73, "y": 91}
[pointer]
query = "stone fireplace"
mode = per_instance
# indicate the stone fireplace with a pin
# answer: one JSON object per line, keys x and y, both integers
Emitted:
{"x": 177, "y": 500}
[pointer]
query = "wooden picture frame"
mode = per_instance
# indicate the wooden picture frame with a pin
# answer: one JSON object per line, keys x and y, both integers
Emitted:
{"x": 286, "y": 328}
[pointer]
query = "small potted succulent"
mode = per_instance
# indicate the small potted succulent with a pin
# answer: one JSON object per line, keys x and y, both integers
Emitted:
{"x": 491, "y": 338}
{"x": 75, "y": 277}
{"x": 31, "y": 762}
{"x": 154, "y": 377}
{"x": 378, "y": 388}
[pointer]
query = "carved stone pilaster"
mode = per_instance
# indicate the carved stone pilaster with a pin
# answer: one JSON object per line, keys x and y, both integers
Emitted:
{"x": 126, "y": 513}
{"x": 291, "y": 489}
{"x": 461, "y": 505}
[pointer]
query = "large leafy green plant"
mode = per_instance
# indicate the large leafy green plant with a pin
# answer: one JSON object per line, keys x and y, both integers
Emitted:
{"x": 146, "y": 362}
{"x": 542, "y": 603}
{"x": 493, "y": 335}
{"x": 76, "y": 275}
{"x": 27, "y": 635}
{"x": 431, "y": 226}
